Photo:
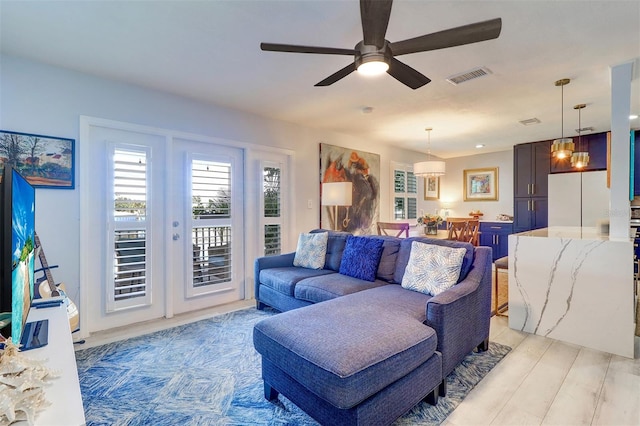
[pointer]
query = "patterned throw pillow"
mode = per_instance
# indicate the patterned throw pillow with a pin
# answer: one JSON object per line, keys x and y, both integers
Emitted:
{"x": 361, "y": 257}
{"x": 311, "y": 250}
{"x": 432, "y": 269}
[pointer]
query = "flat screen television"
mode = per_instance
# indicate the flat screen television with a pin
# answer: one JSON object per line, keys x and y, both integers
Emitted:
{"x": 17, "y": 260}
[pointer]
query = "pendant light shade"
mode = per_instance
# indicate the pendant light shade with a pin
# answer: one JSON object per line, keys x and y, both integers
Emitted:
{"x": 430, "y": 167}
{"x": 580, "y": 158}
{"x": 563, "y": 147}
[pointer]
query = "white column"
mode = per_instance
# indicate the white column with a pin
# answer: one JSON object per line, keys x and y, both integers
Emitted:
{"x": 619, "y": 212}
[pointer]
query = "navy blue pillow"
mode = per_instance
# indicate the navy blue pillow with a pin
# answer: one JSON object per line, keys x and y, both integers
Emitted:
{"x": 361, "y": 257}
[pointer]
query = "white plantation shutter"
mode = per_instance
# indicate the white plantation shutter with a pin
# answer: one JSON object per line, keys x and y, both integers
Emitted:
{"x": 211, "y": 231}
{"x": 405, "y": 192}
{"x": 272, "y": 211}
{"x": 128, "y": 284}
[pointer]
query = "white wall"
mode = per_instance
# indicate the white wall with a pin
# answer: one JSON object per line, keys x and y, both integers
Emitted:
{"x": 37, "y": 98}
{"x": 452, "y": 186}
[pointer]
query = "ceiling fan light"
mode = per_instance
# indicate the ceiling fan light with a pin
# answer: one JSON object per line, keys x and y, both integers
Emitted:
{"x": 429, "y": 168}
{"x": 374, "y": 67}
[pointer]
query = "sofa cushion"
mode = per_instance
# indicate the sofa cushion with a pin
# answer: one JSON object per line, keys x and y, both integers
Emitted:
{"x": 405, "y": 252}
{"x": 311, "y": 251}
{"x": 361, "y": 257}
{"x": 347, "y": 360}
{"x": 325, "y": 287}
{"x": 432, "y": 269}
{"x": 284, "y": 279}
{"x": 387, "y": 264}
{"x": 335, "y": 246}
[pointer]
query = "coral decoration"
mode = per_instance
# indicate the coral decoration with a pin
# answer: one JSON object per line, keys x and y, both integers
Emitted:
{"x": 22, "y": 382}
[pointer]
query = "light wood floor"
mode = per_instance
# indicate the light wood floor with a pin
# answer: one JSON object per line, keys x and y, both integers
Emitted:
{"x": 546, "y": 382}
{"x": 541, "y": 381}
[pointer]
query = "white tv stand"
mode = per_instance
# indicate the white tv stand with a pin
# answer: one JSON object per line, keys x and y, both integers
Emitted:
{"x": 63, "y": 392}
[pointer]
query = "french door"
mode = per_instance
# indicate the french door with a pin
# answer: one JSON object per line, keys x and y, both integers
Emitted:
{"x": 162, "y": 224}
{"x": 207, "y": 230}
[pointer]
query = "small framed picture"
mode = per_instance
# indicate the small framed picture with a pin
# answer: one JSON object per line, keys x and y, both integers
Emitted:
{"x": 431, "y": 188}
{"x": 481, "y": 184}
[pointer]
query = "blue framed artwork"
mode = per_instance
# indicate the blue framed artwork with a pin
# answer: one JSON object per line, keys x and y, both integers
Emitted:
{"x": 45, "y": 161}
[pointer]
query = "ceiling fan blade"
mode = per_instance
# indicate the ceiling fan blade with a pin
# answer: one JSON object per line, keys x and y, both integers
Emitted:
{"x": 374, "y": 15}
{"x": 466, "y": 34}
{"x": 274, "y": 47}
{"x": 406, "y": 75}
{"x": 338, "y": 75}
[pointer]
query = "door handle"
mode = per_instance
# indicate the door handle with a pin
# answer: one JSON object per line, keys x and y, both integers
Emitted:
{"x": 533, "y": 188}
{"x": 528, "y": 189}
{"x": 176, "y": 237}
{"x": 533, "y": 205}
{"x": 528, "y": 205}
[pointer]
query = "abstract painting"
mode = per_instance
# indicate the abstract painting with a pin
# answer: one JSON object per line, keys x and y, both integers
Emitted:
{"x": 481, "y": 184}
{"x": 362, "y": 169}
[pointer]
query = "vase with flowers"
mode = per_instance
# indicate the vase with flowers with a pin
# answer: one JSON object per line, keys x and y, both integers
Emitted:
{"x": 430, "y": 223}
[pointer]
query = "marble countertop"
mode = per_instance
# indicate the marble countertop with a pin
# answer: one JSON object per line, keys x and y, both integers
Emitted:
{"x": 574, "y": 232}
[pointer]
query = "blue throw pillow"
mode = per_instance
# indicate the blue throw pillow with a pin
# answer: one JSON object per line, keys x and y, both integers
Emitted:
{"x": 361, "y": 257}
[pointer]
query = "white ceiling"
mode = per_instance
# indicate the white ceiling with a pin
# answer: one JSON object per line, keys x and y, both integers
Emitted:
{"x": 209, "y": 51}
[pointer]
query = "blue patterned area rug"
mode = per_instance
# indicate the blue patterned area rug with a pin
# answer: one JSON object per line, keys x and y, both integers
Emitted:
{"x": 207, "y": 373}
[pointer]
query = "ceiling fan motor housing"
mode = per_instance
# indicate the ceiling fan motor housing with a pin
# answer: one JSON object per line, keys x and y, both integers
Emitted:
{"x": 370, "y": 53}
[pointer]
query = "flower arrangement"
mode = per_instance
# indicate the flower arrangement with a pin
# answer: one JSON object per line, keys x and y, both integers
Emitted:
{"x": 430, "y": 219}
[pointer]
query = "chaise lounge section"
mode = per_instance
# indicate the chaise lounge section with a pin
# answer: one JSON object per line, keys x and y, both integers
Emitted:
{"x": 359, "y": 347}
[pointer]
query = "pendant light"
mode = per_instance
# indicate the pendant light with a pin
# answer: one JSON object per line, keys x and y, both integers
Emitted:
{"x": 429, "y": 167}
{"x": 580, "y": 158}
{"x": 563, "y": 147}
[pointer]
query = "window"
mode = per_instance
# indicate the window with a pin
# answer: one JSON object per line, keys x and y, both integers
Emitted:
{"x": 405, "y": 192}
{"x": 128, "y": 222}
{"x": 211, "y": 209}
{"x": 272, "y": 200}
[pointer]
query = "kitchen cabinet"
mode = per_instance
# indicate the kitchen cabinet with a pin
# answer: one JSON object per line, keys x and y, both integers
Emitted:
{"x": 531, "y": 167}
{"x": 636, "y": 162}
{"x": 496, "y": 236}
{"x": 530, "y": 213}
{"x": 595, "y": 144}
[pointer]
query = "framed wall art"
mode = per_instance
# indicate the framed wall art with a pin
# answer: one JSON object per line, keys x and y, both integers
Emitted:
{"x": 481, "y": 184}
{"x": 45, "y": 161}
{"x": 431, "y": 188}
{"x": 362, "y": 169}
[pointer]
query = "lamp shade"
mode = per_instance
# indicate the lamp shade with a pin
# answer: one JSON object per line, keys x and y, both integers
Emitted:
{"x": 429, "y": 168}
{"x": 337, "y": 193}
{"x": 580, "y": 159}
{"x": 562, "y": 148}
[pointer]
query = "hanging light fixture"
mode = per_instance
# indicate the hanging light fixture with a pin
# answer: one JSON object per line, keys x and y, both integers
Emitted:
{"x": 563, "y": 147}
{"x": 429, "y": 167}
{"x": 580, "y": 158}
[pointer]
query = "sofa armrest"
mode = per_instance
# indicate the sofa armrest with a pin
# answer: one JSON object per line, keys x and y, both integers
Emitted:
{"x": 461, "y": 315}
{"x": 267, "y": 262}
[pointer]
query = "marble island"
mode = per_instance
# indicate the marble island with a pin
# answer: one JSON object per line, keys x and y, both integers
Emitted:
{"x": 574, "y": 285}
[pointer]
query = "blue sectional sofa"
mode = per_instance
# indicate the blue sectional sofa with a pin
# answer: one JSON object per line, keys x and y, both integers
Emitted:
{"x": 365, "y": 352}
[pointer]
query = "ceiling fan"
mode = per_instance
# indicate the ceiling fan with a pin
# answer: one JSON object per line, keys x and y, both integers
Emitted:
{"x": 375, "y": 55}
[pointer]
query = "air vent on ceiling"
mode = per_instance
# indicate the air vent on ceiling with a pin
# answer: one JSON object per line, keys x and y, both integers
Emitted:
{"x": 468, "y": 75}
{"x": 529, "y": 121}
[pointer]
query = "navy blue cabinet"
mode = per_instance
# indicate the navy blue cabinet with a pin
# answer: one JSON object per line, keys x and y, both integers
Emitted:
{"x": 496, "y": 236}
{"x": 531, "y": 167}
{"x": 595, "y": 144}
{"x": 636, "y": 162}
